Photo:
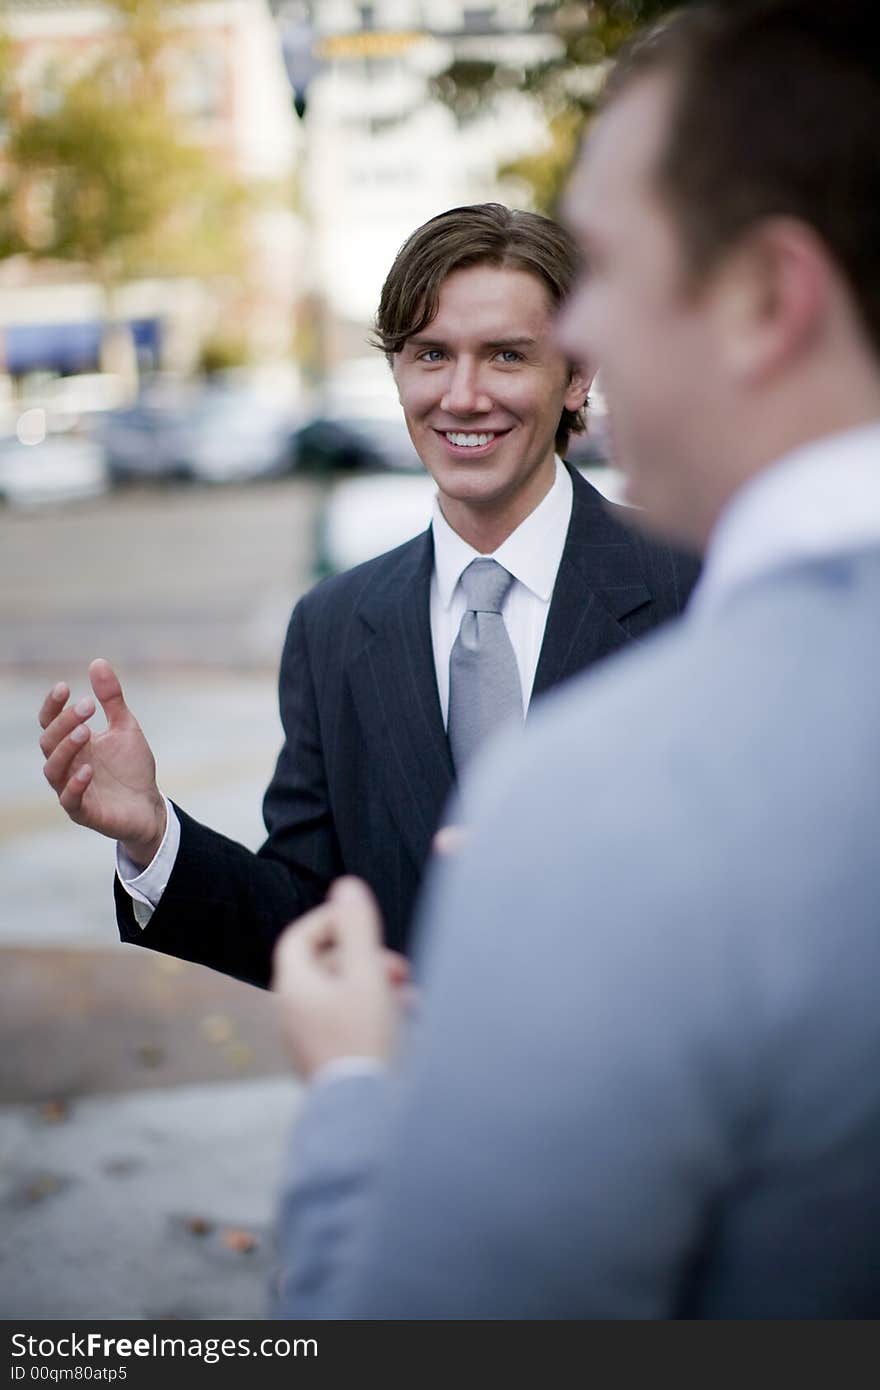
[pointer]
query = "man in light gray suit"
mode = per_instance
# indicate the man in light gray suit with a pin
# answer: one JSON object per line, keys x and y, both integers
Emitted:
{"x": 643, "y": 1077}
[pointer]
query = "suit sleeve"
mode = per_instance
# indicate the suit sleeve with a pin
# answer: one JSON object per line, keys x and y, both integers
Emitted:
{"x": 225, "y": 905}
{"x": 331, "y": 1165}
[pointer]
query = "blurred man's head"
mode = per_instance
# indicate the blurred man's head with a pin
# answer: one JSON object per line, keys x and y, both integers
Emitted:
{"x": 466, "y": 320}
{"x": 728, "y": 203}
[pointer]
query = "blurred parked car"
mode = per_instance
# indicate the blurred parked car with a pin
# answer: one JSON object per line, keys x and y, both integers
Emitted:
{"x": 356, "y": 425}
{"x": 232, "y": 435}
{"x": 139, "y": 441}
{"x": 212, "y": 433}
{"x": 354, "y": 444}
{"x": 47, "y": 404}
{"x": 56, "y": 468}
{"x": 71, "y": 400}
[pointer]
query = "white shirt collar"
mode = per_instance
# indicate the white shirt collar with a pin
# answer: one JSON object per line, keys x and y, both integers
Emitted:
{"x": 819, "y": 500}
{"x": 531, "y": 553}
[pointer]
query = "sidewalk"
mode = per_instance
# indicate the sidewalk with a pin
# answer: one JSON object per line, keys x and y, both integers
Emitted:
{"x": 144, "y": 1107}
{"x": 156, "y": 1205}
{"x": 144, "y": 1101}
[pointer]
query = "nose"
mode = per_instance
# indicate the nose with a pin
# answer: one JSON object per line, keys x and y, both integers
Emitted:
{"x": 465, "y": 394}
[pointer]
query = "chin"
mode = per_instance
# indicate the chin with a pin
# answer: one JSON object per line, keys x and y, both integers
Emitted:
{"x": 466, "y": 477}
{"x": 471, "y": 490}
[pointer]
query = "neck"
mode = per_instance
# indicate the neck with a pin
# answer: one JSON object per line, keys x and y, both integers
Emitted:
{"x": 487, "y": 525}
{"x": 843, "y": 397}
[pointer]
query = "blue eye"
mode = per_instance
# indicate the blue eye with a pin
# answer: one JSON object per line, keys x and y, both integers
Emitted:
{"x": 510, "y": 355}
{"x": 431, "y": 355}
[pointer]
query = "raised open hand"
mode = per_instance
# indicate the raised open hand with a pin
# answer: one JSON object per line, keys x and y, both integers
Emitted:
{"x": 105, "y": 780}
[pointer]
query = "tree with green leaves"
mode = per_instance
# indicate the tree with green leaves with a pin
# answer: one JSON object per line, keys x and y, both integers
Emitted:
{"x": 565, "y": 83}
{"x": 96, "y": 170}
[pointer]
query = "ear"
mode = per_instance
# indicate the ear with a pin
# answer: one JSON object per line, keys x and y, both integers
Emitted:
{"x": 773, "y": 297}
{"x": 579, "y": 382}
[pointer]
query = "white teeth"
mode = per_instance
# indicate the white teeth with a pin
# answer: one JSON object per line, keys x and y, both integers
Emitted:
{"x": 469, "y": 441}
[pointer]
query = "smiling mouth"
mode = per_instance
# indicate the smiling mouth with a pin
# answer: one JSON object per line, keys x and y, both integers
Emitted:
{"x": 471, "y": 441}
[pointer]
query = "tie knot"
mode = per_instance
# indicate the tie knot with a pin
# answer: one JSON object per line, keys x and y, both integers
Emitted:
{"x": 485, "y": 585}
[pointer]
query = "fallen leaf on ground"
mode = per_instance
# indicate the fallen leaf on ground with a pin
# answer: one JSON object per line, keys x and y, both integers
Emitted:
{"x": 240, "y": 1241}
{"x": 54, "y": 1112}
{"x": 44, "y": 1186}
{"x": 198, "y": 1226}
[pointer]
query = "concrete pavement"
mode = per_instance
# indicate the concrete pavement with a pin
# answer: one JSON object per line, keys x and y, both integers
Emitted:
{"x": 137, "y": 1124}
{"x": 183, "y": 577}
{"x": 157, "y": 1205}
{"x": 143, "y": 1102}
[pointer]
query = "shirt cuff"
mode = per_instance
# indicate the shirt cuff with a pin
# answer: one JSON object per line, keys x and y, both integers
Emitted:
{"x": 343, "y": 1067}
{"x": 146, "y": 886}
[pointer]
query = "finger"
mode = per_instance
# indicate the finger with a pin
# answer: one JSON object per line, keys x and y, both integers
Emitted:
{"x": 450, "y": 839}
{"x": 71, "y": 795}
{"x": 108, "y": 690}
{"x": 301, "y": 945}
{"x": 357, "y": 920}
{"x": 63, "y": 723}
{"x": 316, "y": 932}
{"x": 53, "y": 704}
{"x": 57, "y": 768}
{"x": 321, "y": 939}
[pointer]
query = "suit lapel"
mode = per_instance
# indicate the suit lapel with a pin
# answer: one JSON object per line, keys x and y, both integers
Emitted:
{"x": 600, "y": 582}
{"x": 394, "y": 687}
{"x": 392, "y": 678}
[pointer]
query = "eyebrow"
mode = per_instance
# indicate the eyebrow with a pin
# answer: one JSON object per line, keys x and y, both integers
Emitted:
{"x": 522, "y": 341}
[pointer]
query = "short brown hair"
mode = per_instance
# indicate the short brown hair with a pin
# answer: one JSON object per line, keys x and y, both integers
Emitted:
{"x": 776, "y": 112}
{"x": 481, "y": 234}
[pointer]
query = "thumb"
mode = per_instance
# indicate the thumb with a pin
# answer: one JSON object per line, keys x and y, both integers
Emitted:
{"x": 108, "y": 691}
{"x": 449, "y": 840}
{"x": 357, "y": 918}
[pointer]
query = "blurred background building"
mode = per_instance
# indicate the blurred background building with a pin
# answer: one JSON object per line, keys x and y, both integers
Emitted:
{"x": 221, "y": 87}
{"x": 385, "y": 152}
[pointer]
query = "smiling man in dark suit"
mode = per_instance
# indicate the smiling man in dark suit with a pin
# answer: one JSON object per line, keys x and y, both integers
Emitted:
{"x": 393, "y": 672}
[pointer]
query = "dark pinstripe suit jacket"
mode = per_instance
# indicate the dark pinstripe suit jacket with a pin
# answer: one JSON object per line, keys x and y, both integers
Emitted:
{"x": 365, "y": 770}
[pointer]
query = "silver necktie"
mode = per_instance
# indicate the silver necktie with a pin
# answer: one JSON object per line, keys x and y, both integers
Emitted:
{"x": 484, "y": 686}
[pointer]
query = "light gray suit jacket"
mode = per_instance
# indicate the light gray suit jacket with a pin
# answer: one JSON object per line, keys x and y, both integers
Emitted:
{"x": 645, "y": 1080}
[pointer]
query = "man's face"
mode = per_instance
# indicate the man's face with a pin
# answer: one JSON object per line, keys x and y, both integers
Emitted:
{"x": 483, "y": 387}
{"x": 651, "y": 338}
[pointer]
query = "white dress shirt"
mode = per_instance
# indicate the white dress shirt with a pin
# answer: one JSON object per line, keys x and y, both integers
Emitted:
{"x": 820, "y": 500}
{"x": 531, "y": 554}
